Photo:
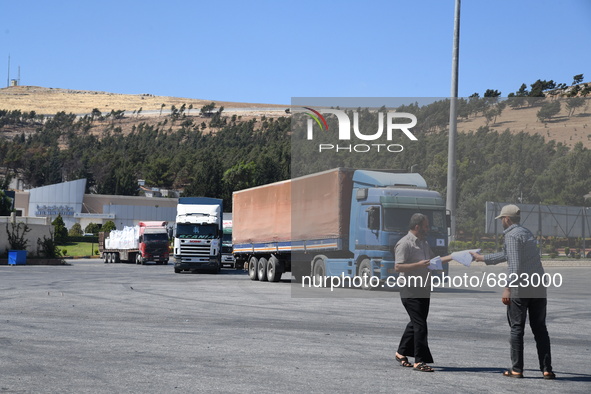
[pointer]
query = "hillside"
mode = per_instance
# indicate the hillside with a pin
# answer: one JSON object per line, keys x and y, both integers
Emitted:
{"x": 144, "y": 108}
{"x": 48, "y": 101}
{"x": 561, "y": 128}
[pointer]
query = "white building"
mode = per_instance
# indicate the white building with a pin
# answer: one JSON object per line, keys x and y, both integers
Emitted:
{"x": 69, "y": 200}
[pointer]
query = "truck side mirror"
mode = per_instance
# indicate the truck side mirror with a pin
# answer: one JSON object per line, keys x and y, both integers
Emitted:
{"x": 373, "y": 218}
{"x": 448, "y": 220}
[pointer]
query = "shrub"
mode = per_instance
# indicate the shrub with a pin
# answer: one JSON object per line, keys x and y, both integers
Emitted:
{"x": 48, "y": 247}
{"x": 16, "y": 235}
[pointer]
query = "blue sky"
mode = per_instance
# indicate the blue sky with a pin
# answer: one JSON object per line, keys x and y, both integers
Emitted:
{"x": 271, "y": 51}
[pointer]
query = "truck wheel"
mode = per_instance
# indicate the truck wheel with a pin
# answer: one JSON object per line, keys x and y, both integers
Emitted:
{"x": 138, "y": 258}
{"x": 274, "y": 270}
{"x": 252, "y": 268}
{"x": 365, "y": 273}
{"x": 108, "y": 258}
{"x": 319, "y": 270}
{"x": 262, "y": 269}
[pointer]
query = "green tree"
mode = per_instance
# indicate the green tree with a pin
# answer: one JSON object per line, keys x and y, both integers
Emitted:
{"x": 577, "y": 79}
{"x": 573, "y": 103}
{"x": 92, "y": 228}
{"x": 240, "y": 176}
{"x": 5, "y": 204}
{"x": 159, "y": 173}
{"x": 207, "y": 109}
{"x": 108, "y": 226}
{"x": 60, "y": 232}
{"x": 75, "y": 230}
{"x": 548, "y": 110}
{"x": 95, "y": 114}
{"x": 518, "y": 99}
{"x": 492, "y": 93}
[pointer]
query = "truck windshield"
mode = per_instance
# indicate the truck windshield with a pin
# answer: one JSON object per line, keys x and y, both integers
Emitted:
{"x": 196, "y": 231}
{"x": 397, "y": 219}
{"x": 155, "y": 237}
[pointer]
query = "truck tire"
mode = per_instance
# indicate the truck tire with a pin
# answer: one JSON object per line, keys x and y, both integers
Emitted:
{"x": 274, "y": 269}
{"x": 108, "y": 258}
{"x": 365, "y": 269}
{"x": 138, "y": 258}
{"x": 252, "y": 268}
{"x": 105, "y": 260}
{"x": 319, "y": 269}
{"x": 262, "y": 269}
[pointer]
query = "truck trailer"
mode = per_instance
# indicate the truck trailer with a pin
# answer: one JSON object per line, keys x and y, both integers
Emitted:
{"x": 148, "y": 241}
{"x": 198, "y": 234}
{"x": 337, "y": 222}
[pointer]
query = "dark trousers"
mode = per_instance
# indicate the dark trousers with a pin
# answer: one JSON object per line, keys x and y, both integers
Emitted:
{"x": 517, "y": 312}
{"x": 414, "y": 340}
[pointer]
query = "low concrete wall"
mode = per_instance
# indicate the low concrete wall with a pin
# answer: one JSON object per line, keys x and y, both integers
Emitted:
{"x": 39, "y": 262}
{"x": 39, "y": 227}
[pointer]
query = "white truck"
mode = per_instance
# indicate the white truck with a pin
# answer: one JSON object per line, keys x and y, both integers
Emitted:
{"x": 198, "y": 234}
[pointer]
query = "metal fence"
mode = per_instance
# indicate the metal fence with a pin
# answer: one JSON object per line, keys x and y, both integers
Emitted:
{"x": 545, "y": 220}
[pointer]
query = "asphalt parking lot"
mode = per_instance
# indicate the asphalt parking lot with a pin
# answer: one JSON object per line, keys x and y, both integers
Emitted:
{"x": 91, "y": 327}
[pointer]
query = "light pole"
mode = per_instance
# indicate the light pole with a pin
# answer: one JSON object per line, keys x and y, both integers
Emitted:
{"x": 451, "y": 154}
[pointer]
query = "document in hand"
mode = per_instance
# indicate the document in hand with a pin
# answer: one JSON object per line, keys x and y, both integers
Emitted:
{"x": 435, "y": 263}
{"x": 464, "y": 257}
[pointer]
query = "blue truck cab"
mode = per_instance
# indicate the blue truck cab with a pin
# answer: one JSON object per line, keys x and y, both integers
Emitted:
{"x": 381, "y": 207}
{"x": 382, "y": 204}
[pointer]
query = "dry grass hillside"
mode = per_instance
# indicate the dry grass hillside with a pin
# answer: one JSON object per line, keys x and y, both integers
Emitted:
{"x": 562, "y": 128}
{"x": 144, "y": 108}
{"x": 47, "y": 101}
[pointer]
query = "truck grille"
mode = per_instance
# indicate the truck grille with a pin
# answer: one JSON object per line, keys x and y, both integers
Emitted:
{"x": 195, "y": 249}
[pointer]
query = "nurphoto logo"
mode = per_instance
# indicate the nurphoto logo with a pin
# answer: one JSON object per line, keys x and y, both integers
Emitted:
{"x": 318, "y": 121}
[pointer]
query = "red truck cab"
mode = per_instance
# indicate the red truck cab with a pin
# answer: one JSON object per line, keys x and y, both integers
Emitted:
{"x": 153, "y": 242}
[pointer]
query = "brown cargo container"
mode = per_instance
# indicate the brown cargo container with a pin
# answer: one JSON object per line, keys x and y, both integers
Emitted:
{"x": 312, "y": 207}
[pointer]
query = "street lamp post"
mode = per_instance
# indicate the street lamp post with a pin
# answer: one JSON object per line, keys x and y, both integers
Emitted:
{"x": 451, "y": 158}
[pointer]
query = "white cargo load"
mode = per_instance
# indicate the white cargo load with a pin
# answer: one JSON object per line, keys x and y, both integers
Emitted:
{"x": 128, "y": 238}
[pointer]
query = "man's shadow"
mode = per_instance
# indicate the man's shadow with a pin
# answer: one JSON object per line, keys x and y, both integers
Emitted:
{"x": 528, "y": 373}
